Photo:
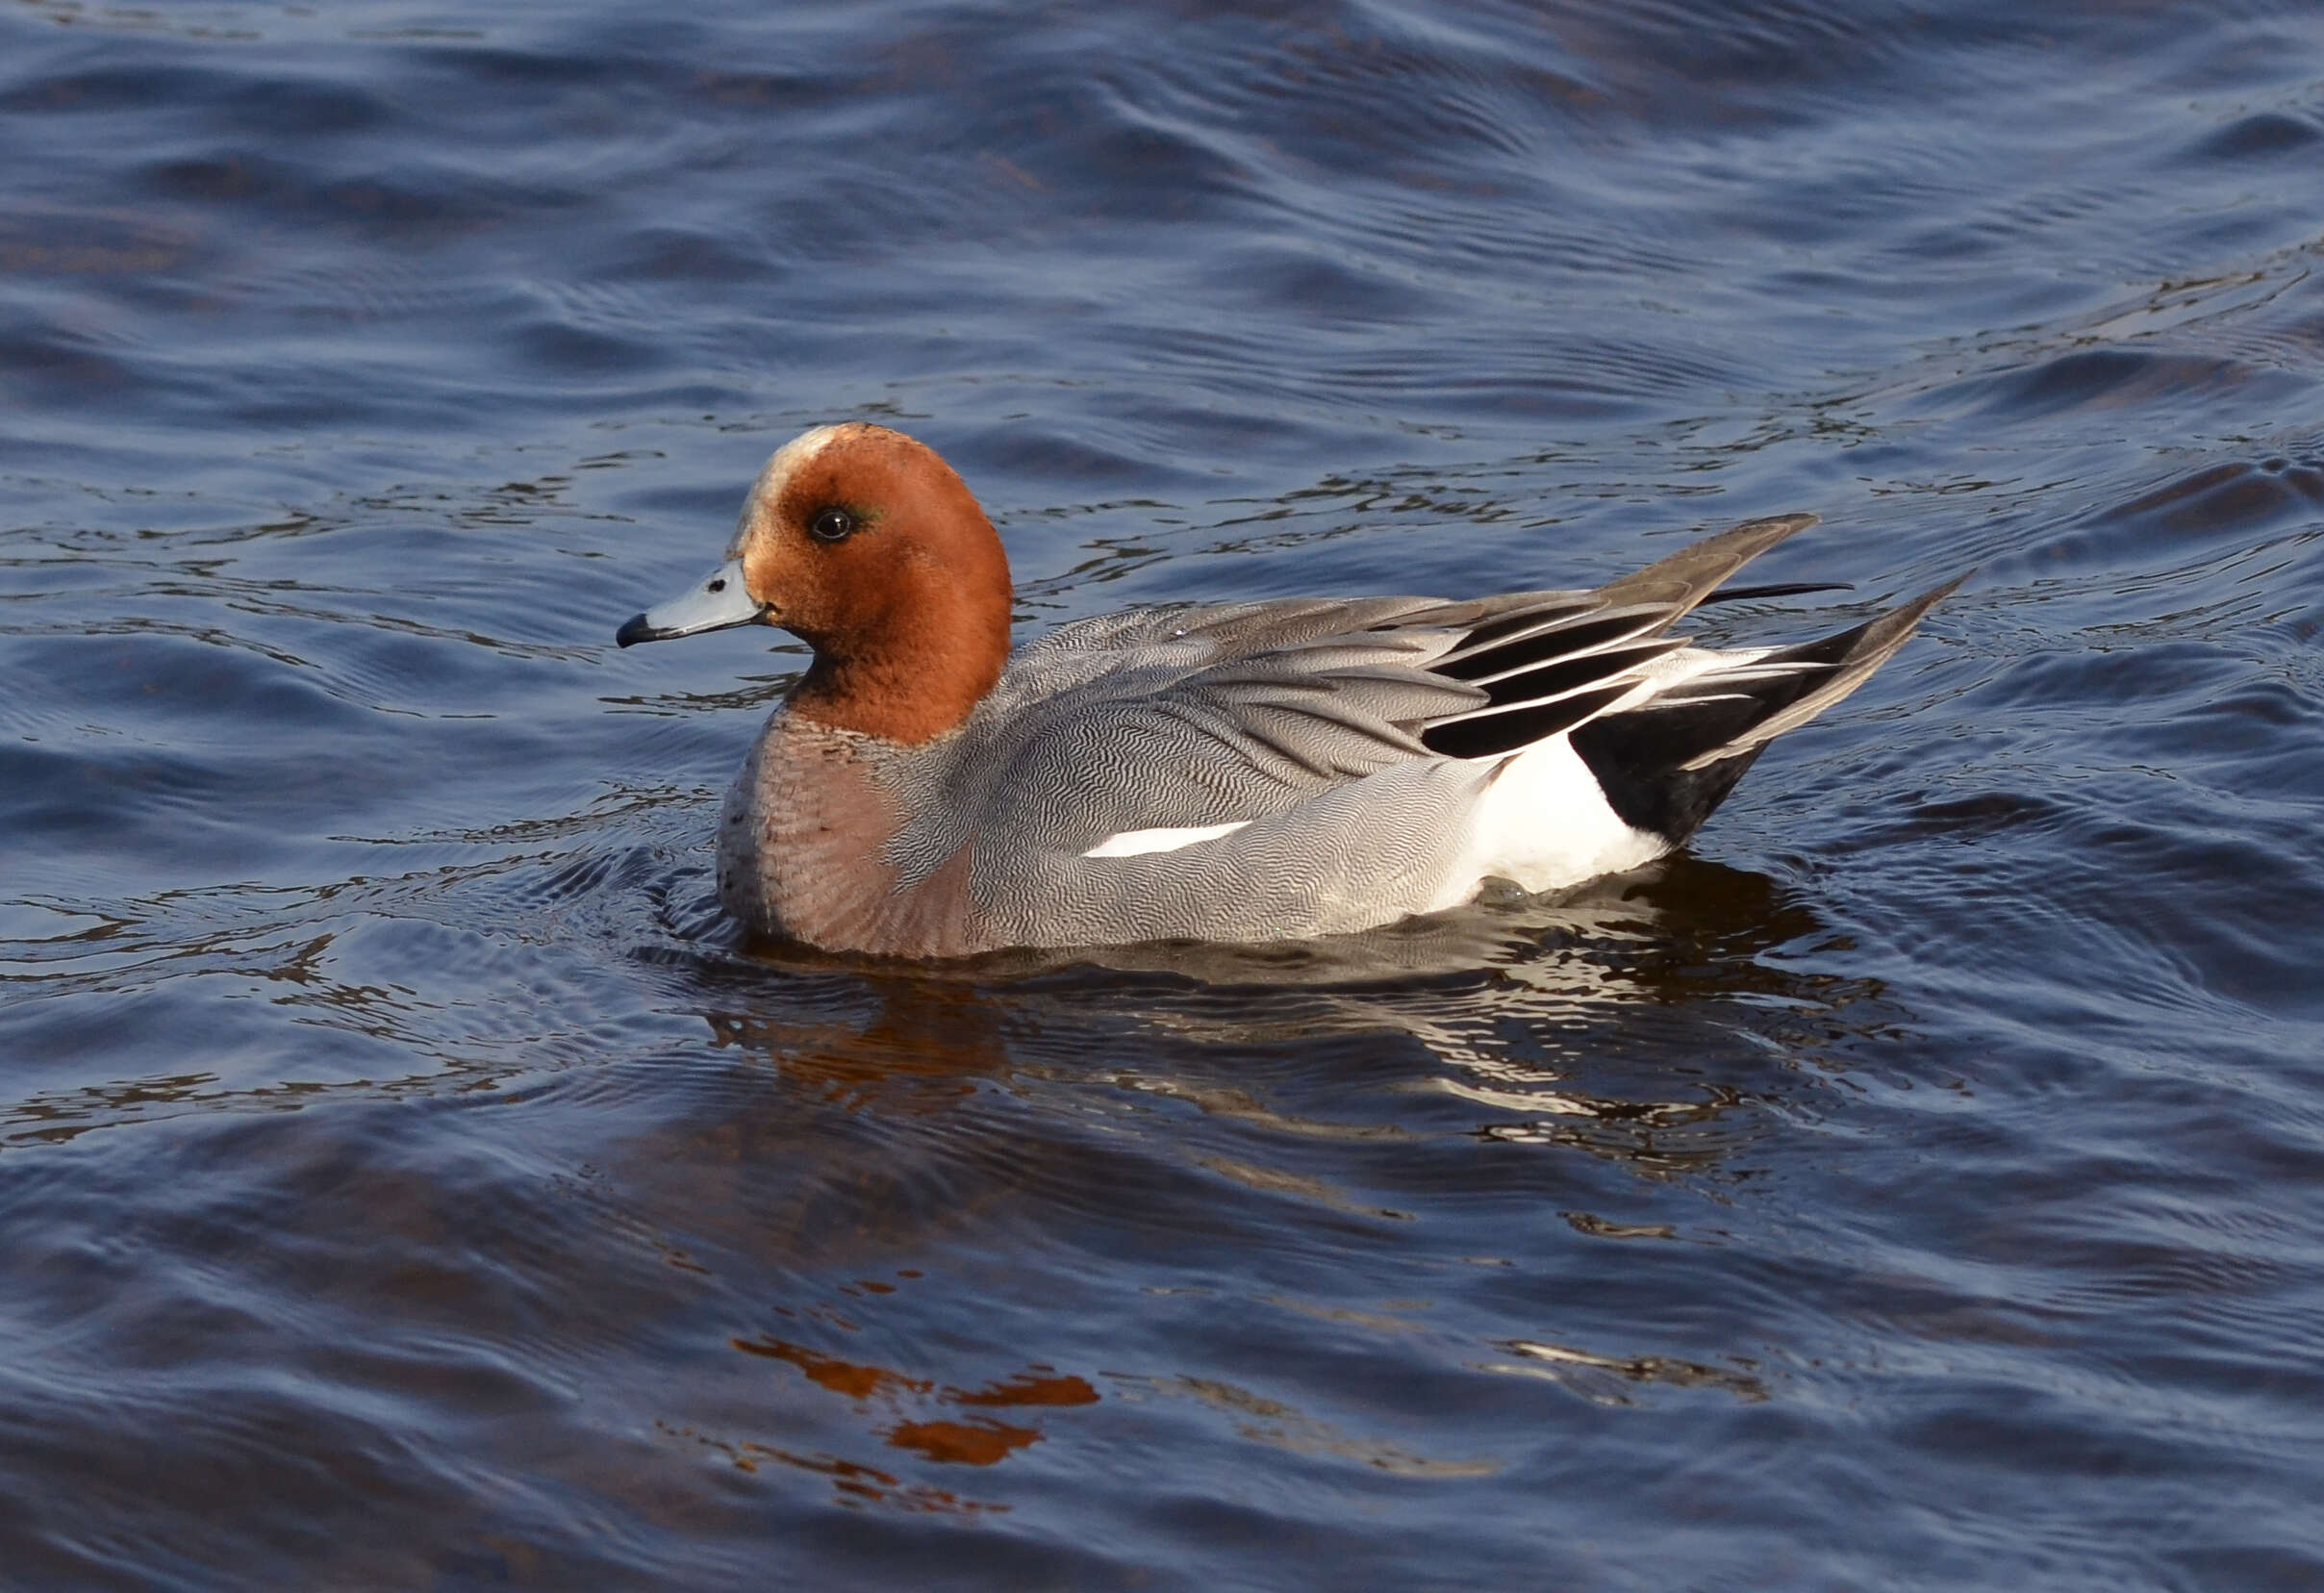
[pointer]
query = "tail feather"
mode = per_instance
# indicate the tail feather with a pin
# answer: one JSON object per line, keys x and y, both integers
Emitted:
{"x": 1667, "y": 762}
{"x": 1843, "y": 662}
{"x": 1687, "y": 576}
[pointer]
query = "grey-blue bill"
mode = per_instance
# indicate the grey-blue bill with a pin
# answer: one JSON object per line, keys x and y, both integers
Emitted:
{"x": 718, "y": 601}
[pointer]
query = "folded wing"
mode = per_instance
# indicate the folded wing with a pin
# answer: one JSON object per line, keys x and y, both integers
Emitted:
{"x": 1195, "y": 721}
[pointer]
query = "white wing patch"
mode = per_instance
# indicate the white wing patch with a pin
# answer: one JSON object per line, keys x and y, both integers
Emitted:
{"x": 1138, "y": 842}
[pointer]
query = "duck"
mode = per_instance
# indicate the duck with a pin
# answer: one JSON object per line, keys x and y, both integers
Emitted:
{"x": 1285, "y": 769}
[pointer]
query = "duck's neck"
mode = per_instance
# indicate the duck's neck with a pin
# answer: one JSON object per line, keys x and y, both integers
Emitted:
{"x": 915, "y": 669}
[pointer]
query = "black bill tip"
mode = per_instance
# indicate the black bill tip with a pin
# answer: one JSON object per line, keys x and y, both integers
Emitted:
{"x": 634, "y": 630}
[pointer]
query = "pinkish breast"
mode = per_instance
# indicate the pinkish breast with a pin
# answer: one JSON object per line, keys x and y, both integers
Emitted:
{"x": 802, "y": 843}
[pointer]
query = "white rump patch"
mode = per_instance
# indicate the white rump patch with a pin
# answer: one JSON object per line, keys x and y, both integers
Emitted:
{"x": 1138, "y": 842}
{"x": 1544, "y": 823}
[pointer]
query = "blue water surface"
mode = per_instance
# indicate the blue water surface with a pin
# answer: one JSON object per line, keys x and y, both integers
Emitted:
{"x": 408, "y": 1179}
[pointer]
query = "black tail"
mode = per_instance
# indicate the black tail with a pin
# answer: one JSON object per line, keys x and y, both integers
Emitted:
{"x": 1666, "y": 763}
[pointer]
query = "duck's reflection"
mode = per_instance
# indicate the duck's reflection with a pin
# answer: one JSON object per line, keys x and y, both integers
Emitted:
{"x": 1021, "y": 1144}
{"x": 923, "y": 1043}
{"x": 1577, "y": 1008}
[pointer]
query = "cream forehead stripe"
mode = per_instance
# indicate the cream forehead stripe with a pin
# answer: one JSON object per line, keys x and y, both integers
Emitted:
{"x": 786, "y": 460}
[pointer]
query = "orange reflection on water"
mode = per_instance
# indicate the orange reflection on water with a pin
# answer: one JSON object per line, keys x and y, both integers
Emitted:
{"x": 855, "y": 1381}
{"x": 981, "y": 1442}
{"x": 962, "y": 1443}
{"x": 854, "y": 1483}
{"x": 1029, "y": 1389}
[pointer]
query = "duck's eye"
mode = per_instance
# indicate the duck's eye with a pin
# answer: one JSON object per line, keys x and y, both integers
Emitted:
{"x": 832, "y": 525}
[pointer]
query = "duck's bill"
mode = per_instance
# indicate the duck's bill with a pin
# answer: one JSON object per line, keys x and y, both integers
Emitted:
{"x": 713, "y": 603}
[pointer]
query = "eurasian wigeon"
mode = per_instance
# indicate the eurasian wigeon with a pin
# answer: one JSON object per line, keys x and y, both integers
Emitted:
{"x": 1233, "y": 772}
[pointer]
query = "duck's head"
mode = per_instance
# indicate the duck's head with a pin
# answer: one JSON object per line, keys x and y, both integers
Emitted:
{"x": 864, "y": 544}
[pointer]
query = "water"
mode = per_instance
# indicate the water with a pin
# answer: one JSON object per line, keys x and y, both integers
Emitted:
{"x": 408, "y": 1181}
